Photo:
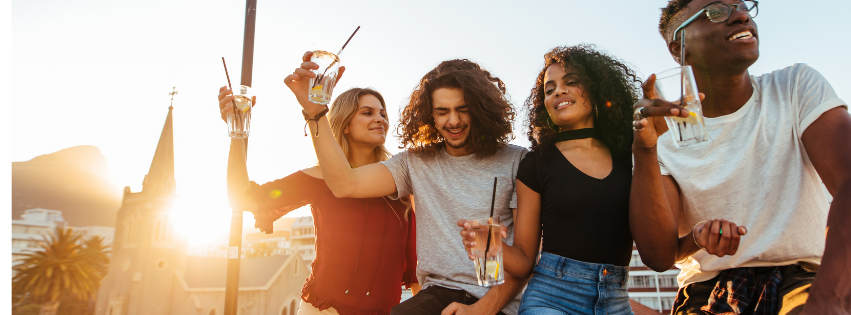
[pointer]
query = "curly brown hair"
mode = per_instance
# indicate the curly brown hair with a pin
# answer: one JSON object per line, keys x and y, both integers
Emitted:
{"x": 672, "y": 17}
{"x": 610, "y": 85}
{"x": 491, "y": 113}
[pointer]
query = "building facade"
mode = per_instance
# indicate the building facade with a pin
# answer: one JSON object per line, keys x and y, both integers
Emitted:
{"x": 151, "y": 273}
{"x": 656, "y": 290}
{"x": 36, "y": 224}
{"x": 32, "y": 228}
{"x": 304, "y": 239}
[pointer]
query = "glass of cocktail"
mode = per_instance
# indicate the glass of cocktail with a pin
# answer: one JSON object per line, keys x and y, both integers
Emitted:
{"x": 322, "y": 85}
{"x": 677, "y": 85}
{"x": 239, "y": 119}
{"x": 488, "y": 251}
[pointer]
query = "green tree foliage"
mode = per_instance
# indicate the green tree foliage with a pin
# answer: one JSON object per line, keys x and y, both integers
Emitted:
{"x": 67, "y": 268}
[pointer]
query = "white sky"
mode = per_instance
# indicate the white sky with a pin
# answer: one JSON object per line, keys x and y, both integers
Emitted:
{"x": 98, "y": 72}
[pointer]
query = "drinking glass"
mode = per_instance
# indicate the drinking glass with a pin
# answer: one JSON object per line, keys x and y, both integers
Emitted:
{"x": 677, "y": 85}
{"x": 239, "y": 119}
{"x": 488, "y": 251}
{"x": 326, "y": 76}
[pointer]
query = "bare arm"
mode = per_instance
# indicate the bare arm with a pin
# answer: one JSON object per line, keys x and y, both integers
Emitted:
{"x": 655, "y": 201}
{"x": 238, "y": 178}
{"x": 499, "y": 296}
{"x": 829, "y": 147}
{"x": 372, "y": 180}
{"x": 653, "y": 211}
{"x": 519, "y": 260}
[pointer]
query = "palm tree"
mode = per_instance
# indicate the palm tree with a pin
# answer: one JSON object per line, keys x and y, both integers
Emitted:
{"x": 63, "y": 266}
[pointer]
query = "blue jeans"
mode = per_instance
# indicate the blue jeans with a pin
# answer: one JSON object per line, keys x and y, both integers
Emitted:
{"x": 565, "y": 286}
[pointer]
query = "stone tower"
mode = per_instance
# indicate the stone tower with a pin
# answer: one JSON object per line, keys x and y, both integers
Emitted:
{"x": 146, "y": 255}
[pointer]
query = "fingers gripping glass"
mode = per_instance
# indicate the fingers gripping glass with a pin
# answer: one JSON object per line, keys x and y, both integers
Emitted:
{"x": 720, "y": 12}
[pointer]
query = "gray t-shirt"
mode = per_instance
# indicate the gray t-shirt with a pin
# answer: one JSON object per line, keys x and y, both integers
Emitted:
{"x": 448, "y": 188}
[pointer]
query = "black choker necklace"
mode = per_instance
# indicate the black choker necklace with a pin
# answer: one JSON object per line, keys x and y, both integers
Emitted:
{"x": 576, "y": 134}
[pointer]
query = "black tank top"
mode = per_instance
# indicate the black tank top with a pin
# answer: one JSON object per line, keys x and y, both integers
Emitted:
{"x": 582, "y": 217}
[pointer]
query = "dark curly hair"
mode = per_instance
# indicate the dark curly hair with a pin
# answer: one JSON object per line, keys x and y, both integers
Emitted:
{"x": 610, "y": 85}
{"x": 672, "y": 17}
{"x": 491, "y": 112}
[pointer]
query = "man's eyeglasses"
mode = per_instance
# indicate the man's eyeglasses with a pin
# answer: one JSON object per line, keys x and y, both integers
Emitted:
{"x": 720, "y": 12}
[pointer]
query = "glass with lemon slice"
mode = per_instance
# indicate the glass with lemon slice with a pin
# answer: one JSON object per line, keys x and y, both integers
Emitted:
{"x": 677, "y": 85}
{"x": 326, "y": 77}
{"x": 488, "y": 258}
{"x": 239, "y": 119}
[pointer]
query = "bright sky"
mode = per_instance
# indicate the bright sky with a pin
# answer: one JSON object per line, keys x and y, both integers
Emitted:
{"x": 99, "y": 72}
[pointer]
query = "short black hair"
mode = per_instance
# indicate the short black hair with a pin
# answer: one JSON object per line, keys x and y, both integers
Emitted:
{"x": 670, "y": 15}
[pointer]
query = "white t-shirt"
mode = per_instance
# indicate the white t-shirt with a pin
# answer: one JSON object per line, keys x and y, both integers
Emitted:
{"x": 756, "y": 172}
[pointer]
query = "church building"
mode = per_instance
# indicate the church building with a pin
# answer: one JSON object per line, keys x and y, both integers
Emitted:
{"x": 150, "y": 273}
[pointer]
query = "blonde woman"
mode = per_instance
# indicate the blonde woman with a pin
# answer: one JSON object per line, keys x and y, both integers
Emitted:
{"x": 365, "y": 248}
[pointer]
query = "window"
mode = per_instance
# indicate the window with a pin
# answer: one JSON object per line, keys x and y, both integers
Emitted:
{"x": 293, "y": 307}
{"x": 295, "y": 267}
{"x": 286, "y": 311}
{"x": 131, "y": 228}
{"x": 212, "y": 311}
{"x": 668, "y": 281}
{"x": 642, "y": 282}
{"x": 636, "y": 261}
{"x": 667, "y": 302}
{"x": 19, "y": 229}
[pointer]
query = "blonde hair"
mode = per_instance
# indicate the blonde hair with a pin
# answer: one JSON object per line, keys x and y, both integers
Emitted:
{"x": 342, "y": 111}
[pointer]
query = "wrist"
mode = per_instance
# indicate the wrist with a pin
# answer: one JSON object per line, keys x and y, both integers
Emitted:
{"x": 642, "y": 150}
{"x": 314, "y": 111}
{"x": 694, "y": 235}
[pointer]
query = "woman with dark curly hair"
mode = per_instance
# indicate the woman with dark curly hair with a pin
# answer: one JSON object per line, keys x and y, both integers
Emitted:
{"x": 573, "y": 187}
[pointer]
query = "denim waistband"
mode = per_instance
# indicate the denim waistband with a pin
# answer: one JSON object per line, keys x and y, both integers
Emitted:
{"x": 564, "y": 266}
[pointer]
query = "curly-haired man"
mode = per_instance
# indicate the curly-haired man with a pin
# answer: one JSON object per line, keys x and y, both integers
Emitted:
{"x": 773, "y": 137}
{"x": 456, "y": 128}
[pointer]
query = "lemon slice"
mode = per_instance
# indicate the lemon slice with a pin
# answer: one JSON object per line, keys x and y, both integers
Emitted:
{"x": 316, "y": 88}
{"x": 242, "y": 103}
{"x": 691, "y": 119}
{"x": 492, "y": 265}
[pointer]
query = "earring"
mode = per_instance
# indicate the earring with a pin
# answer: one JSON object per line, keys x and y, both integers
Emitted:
{"x": 596, "y": 114}
{"x": 551, "y": 124}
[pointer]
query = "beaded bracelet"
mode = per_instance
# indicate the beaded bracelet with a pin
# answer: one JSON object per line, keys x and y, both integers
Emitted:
{"x": 694, "y": 236}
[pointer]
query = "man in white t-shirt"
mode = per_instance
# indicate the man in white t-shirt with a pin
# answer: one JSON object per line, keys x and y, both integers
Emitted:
{"x": 773, "y": 139}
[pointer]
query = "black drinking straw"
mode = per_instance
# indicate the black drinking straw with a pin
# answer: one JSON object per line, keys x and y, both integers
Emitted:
{"x": 319, "y": 77}
{"x": 347, "y": 41}
{"x": 490, "y": 226}
{"x": 229, "y": 86}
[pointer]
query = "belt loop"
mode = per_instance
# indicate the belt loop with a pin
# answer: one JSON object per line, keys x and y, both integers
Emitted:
{"x": 560, "y": 266}
{"x": 625, "y": 277}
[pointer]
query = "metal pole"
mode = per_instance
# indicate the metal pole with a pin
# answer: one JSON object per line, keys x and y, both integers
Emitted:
{"x": 235, "y": 243}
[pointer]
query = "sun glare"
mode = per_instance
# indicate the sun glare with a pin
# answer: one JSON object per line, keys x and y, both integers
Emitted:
{"x": 201, "y": 221}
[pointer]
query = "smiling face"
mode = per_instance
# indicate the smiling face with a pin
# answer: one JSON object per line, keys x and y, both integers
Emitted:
{"x": 565, "y": 99}
{"x": 452, "y": 119}
{"x": 368, "y": 126}
{"x": 732, "y": 44}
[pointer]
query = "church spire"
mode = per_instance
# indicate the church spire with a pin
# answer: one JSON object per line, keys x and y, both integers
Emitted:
{"x": 161, "y": 175}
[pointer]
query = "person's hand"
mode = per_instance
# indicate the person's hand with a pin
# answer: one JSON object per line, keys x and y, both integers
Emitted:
{"x": 461, "y": 309}
{"x": 649, "y": 114}
{"x": 299, "y": 80}
{"x": 468, "y": 236}
{"x": 226, "y": 102}
{"x": 719, "y": 237}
